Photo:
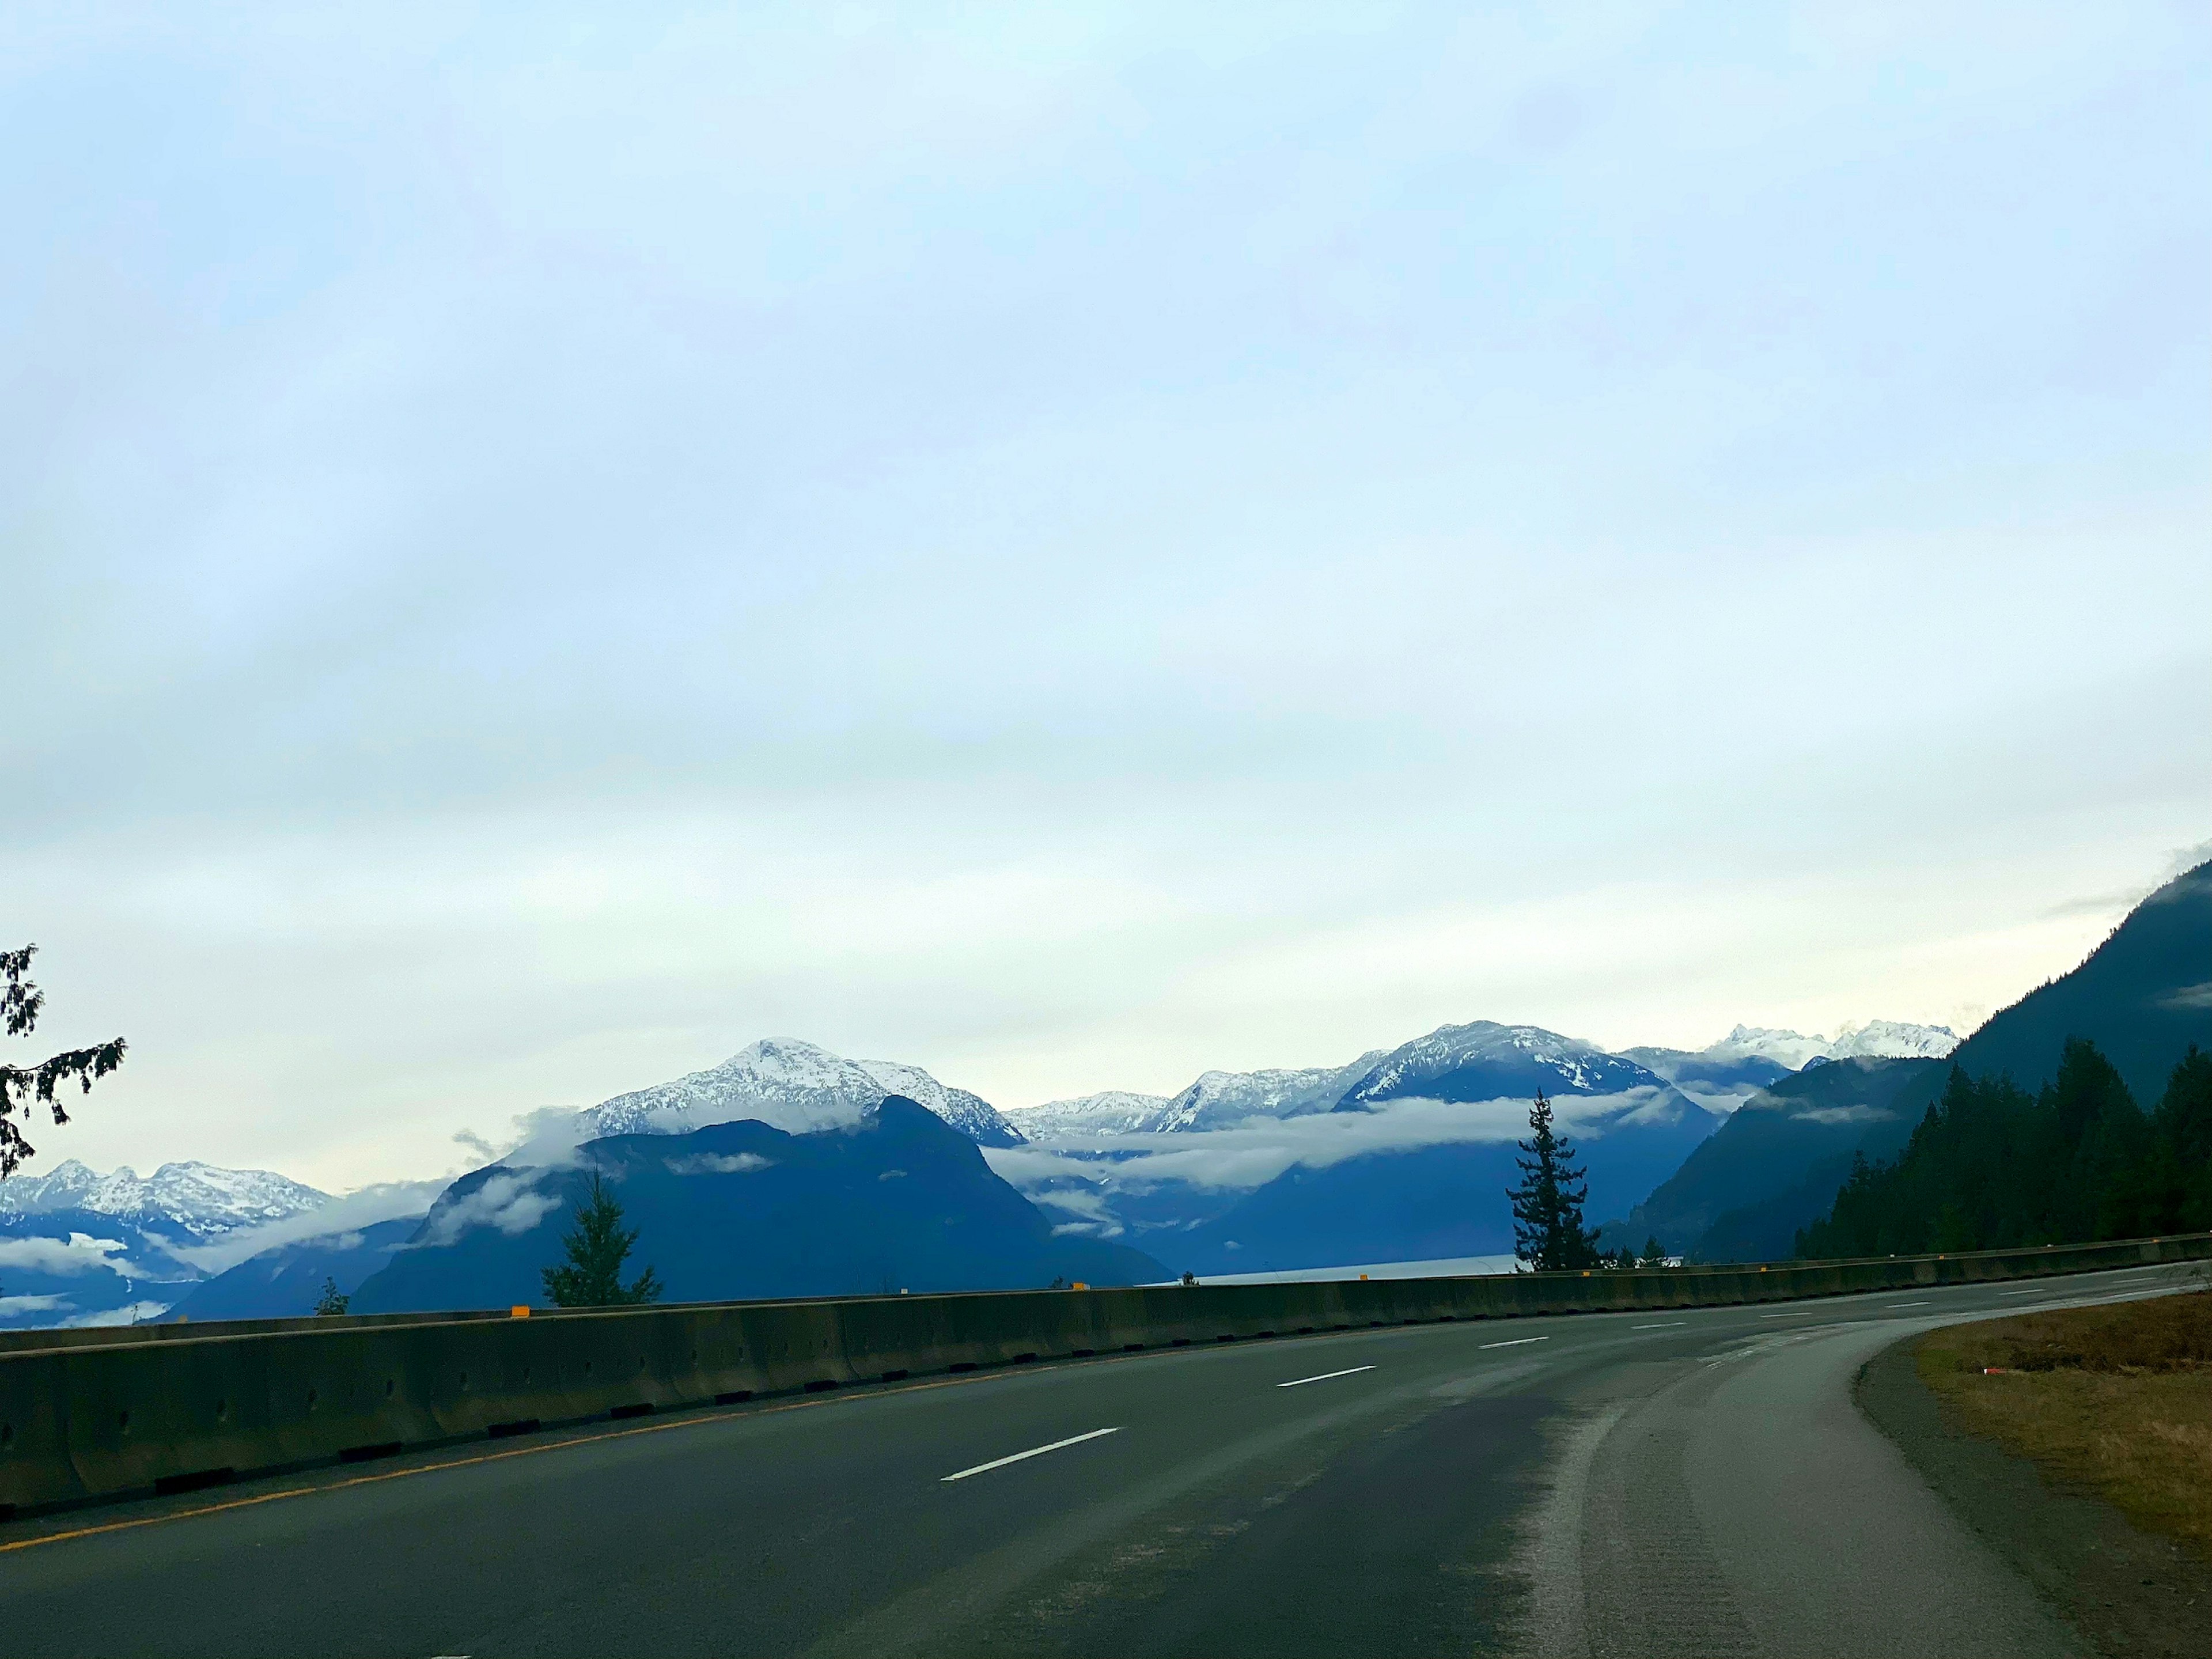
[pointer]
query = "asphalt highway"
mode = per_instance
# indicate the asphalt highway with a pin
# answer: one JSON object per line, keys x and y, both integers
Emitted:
{"x": 1675, "y": 1483}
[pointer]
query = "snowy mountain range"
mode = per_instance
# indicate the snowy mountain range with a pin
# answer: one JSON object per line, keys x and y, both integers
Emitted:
{"x": 79, "y": 1245}
{"x": 1479, "y": 1060}
{"x": 1723, "y": 1075}
{"x": 1877, "y": 1039}
{"x": 1110, "y": 1112}
{"x": 197, "y": 1200}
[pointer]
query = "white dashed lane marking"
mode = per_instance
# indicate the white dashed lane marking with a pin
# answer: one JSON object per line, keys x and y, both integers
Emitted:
{"x": 1324, "y": 1377}
{"x": 1034, "y": 1451}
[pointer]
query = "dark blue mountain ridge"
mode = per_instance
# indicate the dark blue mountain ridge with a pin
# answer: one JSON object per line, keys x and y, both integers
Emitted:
{"x": 1778, "y": 1150}
{"x": 899, "y": 1201}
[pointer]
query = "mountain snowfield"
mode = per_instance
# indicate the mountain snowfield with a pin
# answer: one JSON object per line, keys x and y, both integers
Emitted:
{"x": 1878, "y": 1039}
{"x": 1110, "y": 1112}
{"x": 200, "y": 1200}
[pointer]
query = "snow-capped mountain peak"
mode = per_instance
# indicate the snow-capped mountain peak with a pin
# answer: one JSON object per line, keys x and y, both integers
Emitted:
{"x": 970, "y": 1113}
{"x": 1460, "y": 1062}
{"x": 1886, "y": 1039}
{"x": 793, "y": 1086}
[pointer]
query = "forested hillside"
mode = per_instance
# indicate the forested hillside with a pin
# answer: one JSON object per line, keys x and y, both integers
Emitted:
{"x": 1991, "y": 1167}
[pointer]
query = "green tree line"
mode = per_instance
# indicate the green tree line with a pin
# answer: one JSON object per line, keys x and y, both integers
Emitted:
{"x": 1992, "y": 1167}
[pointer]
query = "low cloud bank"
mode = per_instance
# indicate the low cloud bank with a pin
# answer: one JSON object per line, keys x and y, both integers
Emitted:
{"x": 349, "y": 1213}
{"x": 11, "y": 1306}
{"x": 79, "y": 1252}
{"x": 1254, "y": 1152}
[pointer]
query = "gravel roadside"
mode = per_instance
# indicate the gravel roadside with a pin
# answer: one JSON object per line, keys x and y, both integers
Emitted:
{"x": 2127, "y": 1592}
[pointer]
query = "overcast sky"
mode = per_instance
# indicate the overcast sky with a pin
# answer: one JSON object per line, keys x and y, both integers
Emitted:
{"x": 1072, "y": 546}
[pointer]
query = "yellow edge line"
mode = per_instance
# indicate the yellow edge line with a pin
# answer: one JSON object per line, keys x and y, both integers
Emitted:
{"x": 688, "y": 1422}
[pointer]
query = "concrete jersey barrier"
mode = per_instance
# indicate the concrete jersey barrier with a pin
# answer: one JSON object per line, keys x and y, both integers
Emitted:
{"x": 84, "y": 1420}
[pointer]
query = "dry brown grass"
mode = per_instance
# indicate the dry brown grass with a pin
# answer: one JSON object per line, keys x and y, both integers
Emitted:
{"x": 2116, "y": 1401}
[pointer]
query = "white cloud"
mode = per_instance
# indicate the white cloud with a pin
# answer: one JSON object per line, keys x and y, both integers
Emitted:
{"x": 1086, "y": 1202}
{"x": 1254, "y": 1152}
{"x": 10, "y": 1305}
{"x": 511, "y": 1203}
{"x": 1841, "y": 1114}
{"x": 720, "y": 1163}
{"x": 77, "y": 1254}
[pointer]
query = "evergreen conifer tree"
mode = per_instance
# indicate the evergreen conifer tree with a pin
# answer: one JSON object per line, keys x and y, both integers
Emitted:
{"x": 1547, "y": 1205}
{"x": 592, "y": 1276}
{"x": 20, "y": 1002}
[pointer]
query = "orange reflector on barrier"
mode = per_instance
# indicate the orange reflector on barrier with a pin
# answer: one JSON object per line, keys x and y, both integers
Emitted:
{"x": 518, "y": 1312}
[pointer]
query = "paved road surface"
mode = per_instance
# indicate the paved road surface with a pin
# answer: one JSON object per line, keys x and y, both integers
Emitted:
{"x": 1605, "y": 1484}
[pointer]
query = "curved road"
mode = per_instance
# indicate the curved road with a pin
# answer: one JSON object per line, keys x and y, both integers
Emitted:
{"x": 1659, "y": 1483}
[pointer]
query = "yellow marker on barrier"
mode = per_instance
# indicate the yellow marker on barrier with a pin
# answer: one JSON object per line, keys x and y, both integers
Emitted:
{"x": 518, "y": 1312}
{"x": 1078, "y": 1286}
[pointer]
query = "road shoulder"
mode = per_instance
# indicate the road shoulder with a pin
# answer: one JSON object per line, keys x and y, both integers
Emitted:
{"x": 2125, "y": 1591}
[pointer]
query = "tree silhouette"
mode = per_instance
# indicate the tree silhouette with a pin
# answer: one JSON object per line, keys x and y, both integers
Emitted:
{"x": 1547, "y": 1205}
{"x": 22, "y": 1001}
{"x": 592, "y": 1277}
{"x": 333, "y": 1301}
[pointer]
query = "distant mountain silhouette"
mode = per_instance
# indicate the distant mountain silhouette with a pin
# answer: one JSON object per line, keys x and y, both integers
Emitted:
{"x": 899, "y": 1201}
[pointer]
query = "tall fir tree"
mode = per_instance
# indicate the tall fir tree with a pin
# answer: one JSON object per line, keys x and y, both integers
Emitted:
{"x": 1548, "y": 1234}
{"x": 592, "y": 1276}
